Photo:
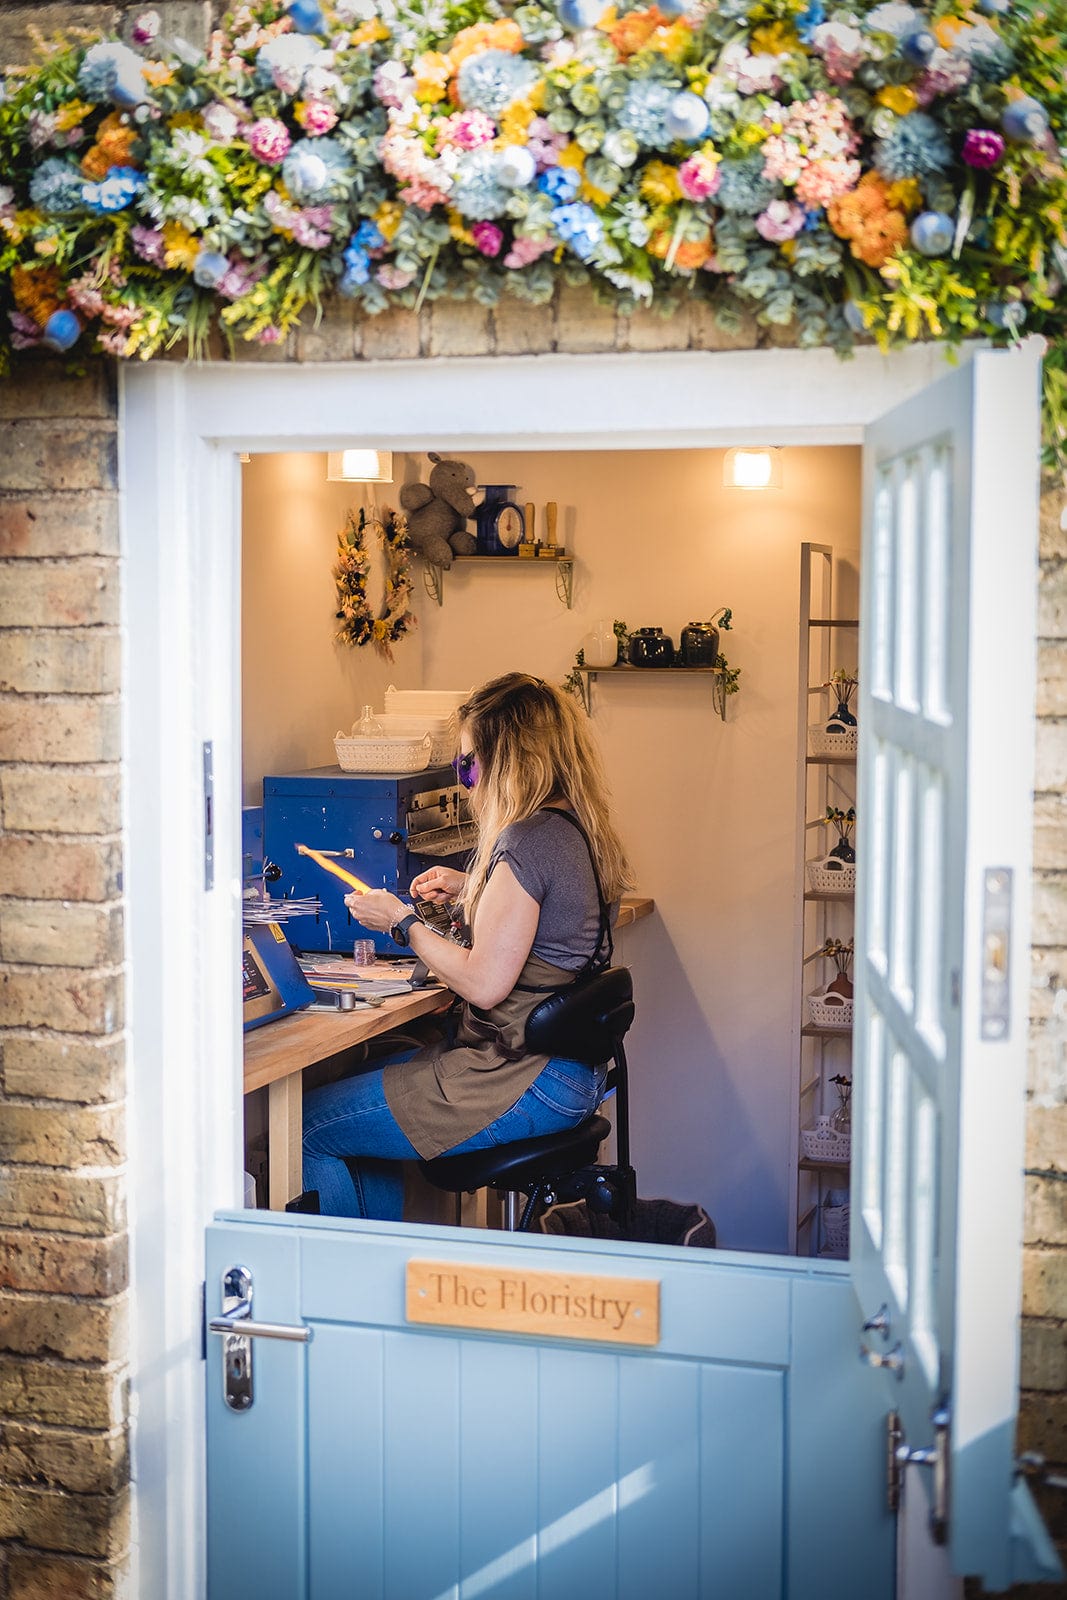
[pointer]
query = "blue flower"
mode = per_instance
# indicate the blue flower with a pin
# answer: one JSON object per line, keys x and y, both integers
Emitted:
{"x": 644, "y": 111}
{"x": 916, "y": 147}
{"x": 810, "y": 19}
{"x": 57, "y": 185}
{"x": 560, "y": 183}
{"x": 317, "y": 170}
{"x": 494, "y": 80}
{"x": 357, "y": 262}
{"x": 114, "y": 192}
{"x": 477, "y": 191}
{"x": 742, "y": 186}
{"x": 578, "y": 226}
{"x": 112, "y": 71}
{"x": 368, "y": 236}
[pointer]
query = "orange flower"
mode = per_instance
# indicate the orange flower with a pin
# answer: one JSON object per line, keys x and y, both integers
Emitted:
{"x": 501, "y": 35}
{"x": 690, "y": 254}
{"x": 37, "y": 291}
{"x": 633, "y": 31}
{"x": 157, "y": 73}
{"x": 865, "y": 217}
{"x": 114, "y": 142}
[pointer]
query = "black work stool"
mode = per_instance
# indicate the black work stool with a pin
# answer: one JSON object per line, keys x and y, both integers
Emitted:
{"x": 588, "y": 1025}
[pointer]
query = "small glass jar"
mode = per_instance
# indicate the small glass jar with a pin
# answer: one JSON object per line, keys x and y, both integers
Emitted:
{"x": 368, "y": 726}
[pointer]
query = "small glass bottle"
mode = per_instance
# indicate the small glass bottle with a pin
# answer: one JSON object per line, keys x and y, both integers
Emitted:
{"x": 368, "y": 726}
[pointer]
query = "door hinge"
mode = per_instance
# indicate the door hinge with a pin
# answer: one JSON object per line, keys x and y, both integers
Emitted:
{"x": 899, "y": 1455}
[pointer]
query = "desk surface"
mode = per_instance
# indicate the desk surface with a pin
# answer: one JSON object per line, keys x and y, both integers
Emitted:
{"x": 291, "y": 1043}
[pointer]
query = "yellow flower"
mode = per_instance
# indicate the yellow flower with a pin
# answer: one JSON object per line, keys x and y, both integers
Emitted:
{"x": 71, "y": 114}
{"x": 514, "y": 122}
{"x": 595, "y": 197}
{"x": 389, "y": 216}
{"x": 904, "y": 195}
{"x": 898, "y": 97}
{"x": 181, "y": 248}
{"x": 432, "y": 71}
{"x": 672, "y": 42}
{"x": 46, "y": 246}
{"x": 659, "y": 183}
{"x": 185, "y": 119}
{"x": 369, "y": 32}
{"x": 752, "y": 134}
{"x": 157, "y": 73}
{"x": 773, "y": 39}
{"x": 457, "y": 227}
{"x": 572, "y": 155}
{"x": 949, "y": 31}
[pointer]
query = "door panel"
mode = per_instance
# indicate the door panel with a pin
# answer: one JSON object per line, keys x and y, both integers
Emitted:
{"x": 403, "y": 1463}
{"x": 942, "y": 916}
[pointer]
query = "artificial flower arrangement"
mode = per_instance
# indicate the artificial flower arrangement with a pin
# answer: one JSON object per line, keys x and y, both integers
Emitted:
{"x": 357, "y": 623}
{"x": 887, "y": 171}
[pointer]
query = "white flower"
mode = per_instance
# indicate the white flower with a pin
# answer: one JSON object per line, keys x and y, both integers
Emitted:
{"x": 894, "y": 18}
{"x": 839, "y": 36}
{"x": 220, "y": 122}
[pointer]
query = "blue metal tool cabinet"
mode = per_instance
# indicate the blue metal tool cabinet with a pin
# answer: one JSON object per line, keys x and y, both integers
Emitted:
{"x": 369, "y": 815}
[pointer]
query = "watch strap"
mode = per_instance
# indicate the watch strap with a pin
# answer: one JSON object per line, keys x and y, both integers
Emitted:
{"x": 401, "y": 927}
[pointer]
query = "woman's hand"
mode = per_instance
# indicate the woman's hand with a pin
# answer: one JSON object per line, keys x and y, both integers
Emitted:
{"x": 440, "y": 884}
{"x": 377, "y": 909}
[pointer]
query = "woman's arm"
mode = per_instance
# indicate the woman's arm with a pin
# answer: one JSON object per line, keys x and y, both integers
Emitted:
{"x": 503, "y": 937}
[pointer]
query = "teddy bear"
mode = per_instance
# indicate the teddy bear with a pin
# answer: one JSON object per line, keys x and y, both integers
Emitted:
{"x": 437, "y": 512}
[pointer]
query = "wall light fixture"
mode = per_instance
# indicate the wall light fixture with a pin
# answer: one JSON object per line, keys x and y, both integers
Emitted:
{"x": 360, "y": 466}
{"x": 752, "y": 469}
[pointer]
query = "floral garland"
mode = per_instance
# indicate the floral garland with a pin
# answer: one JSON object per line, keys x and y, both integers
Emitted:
{"x": 359, "y": 625}
{"x": 889, "y": 171}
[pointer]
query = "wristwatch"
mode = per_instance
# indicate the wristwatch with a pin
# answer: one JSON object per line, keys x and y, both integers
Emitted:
{"x": 399, "y": 931}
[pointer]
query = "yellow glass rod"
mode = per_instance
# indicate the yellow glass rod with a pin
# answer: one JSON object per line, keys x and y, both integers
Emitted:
{"x": 331, "y": 866}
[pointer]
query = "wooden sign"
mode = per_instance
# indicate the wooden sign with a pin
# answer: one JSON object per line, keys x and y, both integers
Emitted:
{"x": 559, "y": 1305}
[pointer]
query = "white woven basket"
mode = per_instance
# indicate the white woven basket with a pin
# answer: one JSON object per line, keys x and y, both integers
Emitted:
{"x": 829, "y": 880}
{"x": 821, "y": 743}
{"x": 382, "y": 755}
{"x": 424, "y": 702}
{"x": 825, "y": 1144}
{"x": 444, "y": 739}
{"x": 835, "y": 1227}
{"x": 827, "y": 1014}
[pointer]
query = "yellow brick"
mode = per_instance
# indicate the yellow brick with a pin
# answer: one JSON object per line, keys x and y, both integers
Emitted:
{"x": 582, "y": 323}
{"x": 55, "y": 1458}
{"x": 40, "y": 728}
{"x": 520, "y": 328}
{"x": 72, "y": 1330}
{"x": 83, "y": 1524}
{"x": 51, "y": 799}
{"x": 1052, "y": 600}
{"x": 59, "y": 1135}
{"x": 43, "y": 388}
{"x": 60, "y": 660}
{"x": 1046, "y": 1139}
{"x": 707, "y": 334}
{"x": 59, "y": 594}
{"x": 395, "y": 335}
{"x": 336, "y": 338}
{"x": 51, "y": 1200}
{"x": 1053, "y": 525}
{"x": 63, "y": 1264}
{"x": 1044, "y": 1282}
{"x": 1046, "y": 1210}
{"x": 1050, "y": 836}
{"x": 56, "y": 1392}
{"x": 16, "y": 38}
{"x": 63, "y": 998}
{"x": 33, "y": 1576}
{"x": 56, "y": 1066}
{"x": 60, "y": 869}
{"x": 38, "y": 455}
{"x": 61, "y": 933}
{"x": 45, "y": 524}
{"x": 1044, "y": 1356}
{"x": 459, "y": 328}
{"x": 1049, "y": 915}
{"x": 650, "y": 329}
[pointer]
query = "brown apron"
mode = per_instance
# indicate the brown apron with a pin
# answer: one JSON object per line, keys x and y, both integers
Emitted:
{"x": 446, "y": 1093}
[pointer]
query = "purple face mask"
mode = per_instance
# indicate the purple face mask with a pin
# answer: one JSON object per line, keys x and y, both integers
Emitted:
{"x": 466, "y": 768}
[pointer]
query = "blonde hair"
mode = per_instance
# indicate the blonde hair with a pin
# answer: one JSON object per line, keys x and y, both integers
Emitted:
{"x": 534, "y": 746}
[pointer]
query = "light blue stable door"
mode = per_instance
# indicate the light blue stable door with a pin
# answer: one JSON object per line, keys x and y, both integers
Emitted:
{"x": 742, "y": 1457}
{"x": 752, "y": 1451}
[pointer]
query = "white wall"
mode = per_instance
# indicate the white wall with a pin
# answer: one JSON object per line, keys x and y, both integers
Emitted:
{"x": 707, "y": 808}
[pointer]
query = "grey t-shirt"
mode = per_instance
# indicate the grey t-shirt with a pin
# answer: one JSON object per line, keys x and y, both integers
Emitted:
{"x": 550, "y": 859}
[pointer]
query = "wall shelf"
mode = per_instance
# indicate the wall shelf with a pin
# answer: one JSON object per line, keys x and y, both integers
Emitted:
{"x": 433, "y": 576}
{"x": 716, "y": 674}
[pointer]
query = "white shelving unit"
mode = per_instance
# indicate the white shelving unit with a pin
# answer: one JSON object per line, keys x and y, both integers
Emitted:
{"x": 826, "y": 641}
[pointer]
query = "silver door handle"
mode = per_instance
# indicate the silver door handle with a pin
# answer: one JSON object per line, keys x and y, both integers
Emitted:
{"x": 239, "y": 1323}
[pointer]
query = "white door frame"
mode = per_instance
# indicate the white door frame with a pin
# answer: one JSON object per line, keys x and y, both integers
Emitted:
{"x": 182, "y": 426}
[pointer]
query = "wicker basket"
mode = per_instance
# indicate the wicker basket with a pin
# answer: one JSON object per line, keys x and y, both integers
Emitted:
{"x": 825, "y": 1144}
{"x": 831, "y": 880}
{"x": 821, "y": 743}
{"x": 442, "y": 731}
{"x": 382, "y": 755}
{"x": 834, "y": 1221}
{"x": 835, "y": 1018}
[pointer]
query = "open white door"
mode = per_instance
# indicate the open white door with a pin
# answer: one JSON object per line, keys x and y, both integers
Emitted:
{"x": 942, "y": 968}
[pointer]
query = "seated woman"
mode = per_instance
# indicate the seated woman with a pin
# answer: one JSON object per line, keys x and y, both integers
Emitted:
{"x": 541, "y": 890}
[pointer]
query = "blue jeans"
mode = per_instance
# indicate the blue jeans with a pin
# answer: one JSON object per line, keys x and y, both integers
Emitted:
{"x": 353, "y": 1143}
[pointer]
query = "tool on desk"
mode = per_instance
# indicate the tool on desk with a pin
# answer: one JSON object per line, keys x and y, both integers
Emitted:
{"x": 271, "y": 980}
{"x": 332, "y": 866}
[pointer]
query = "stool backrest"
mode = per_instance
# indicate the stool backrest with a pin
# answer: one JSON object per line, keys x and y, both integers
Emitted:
{"x": 585, "y": 1021}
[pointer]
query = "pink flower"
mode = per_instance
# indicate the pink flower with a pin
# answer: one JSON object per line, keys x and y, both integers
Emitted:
{"x": 391, "y": 277}
{"x": 699, "y": 177}
{"x": 269, "y": 335}
{"x": 148, "y": 242}
{"x": 85, "y": 296}
{"x": 524, "y": 251}
{"x": 114, "y": 343}
{"x": 982, "y": 147}
{"x": 782, "y": 220}
{"x": 467, "y": 130}
{"x": 823, "y": 181}
{"x": 145, "y": 28}
{"x": 488, "y": 238}
{"x": 422, "y": 194}
{"x": 544, "y": 143}
{"x": 240, "y": 278}
{"x": 24, "y": 331}
{"x": 269, "y": 141}
{"x": 316, "y": 117}
{"x": 123, "y": 316}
